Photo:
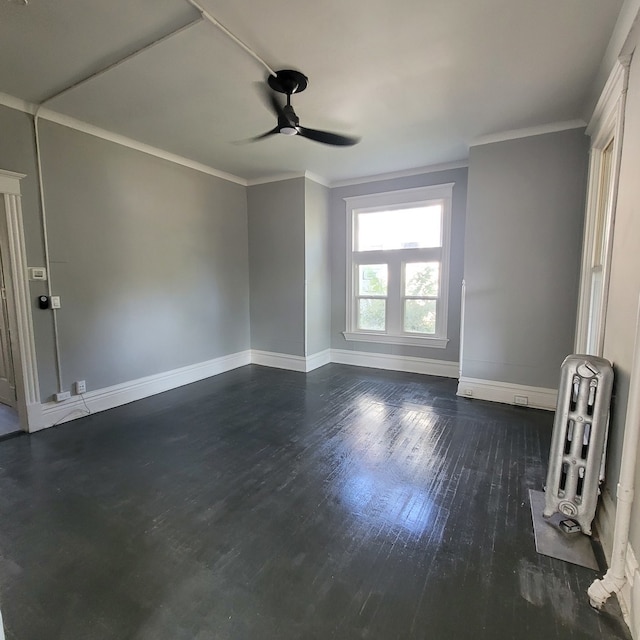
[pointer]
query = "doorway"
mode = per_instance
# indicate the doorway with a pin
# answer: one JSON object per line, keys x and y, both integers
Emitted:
{"x": 20, "y": 408}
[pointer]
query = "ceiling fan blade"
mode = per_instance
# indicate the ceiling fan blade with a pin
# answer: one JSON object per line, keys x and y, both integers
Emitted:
{"x": 327, "y": 137}
{"x": 265, "y": 135}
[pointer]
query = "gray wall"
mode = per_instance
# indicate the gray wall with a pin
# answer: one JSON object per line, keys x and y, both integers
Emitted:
{"x": 317, "y": 267}
{"x": 339, "y": 264}
{"x": 149, "y": 258}
{"x": 276, "y": 266}
{"x": 624, "y": 292}
{"x": 522, "y": 257}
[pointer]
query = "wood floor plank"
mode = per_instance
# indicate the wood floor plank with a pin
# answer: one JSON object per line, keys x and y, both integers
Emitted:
{"x": 344, "y": 503}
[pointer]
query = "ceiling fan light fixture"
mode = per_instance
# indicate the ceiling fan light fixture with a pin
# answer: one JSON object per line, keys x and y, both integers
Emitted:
{"x": 288, "y": 131}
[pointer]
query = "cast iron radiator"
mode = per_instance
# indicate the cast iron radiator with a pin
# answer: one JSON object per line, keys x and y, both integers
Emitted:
{"x": 579, "y": 439}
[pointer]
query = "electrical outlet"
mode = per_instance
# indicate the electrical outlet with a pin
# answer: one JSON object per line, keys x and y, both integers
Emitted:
{"x": 468, "y": 393}
{"x": 63, "y": 395}
{"x": 80, "y": 387}
{"x": 523, "y": 400}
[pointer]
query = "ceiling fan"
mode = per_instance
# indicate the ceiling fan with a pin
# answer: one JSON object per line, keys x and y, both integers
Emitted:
{"x": 289, "y": 82}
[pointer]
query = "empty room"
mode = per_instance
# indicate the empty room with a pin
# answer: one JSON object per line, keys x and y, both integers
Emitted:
{"x": 319, "y": 320}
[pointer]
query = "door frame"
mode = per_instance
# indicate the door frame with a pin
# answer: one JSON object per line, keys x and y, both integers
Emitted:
{"x": 19, "y": 306}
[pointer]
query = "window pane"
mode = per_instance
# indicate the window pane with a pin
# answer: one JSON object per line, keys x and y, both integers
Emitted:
{"x": 420, "y": 316}
{"x": 421, "y": 278}
{"x": 371, "y": 314}
{"x": 417, "y": 227}
{"x": 372, "y": 279}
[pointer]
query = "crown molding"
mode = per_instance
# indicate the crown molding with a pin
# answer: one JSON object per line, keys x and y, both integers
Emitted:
{"x": 84, "y": 127}
{"x": 405, "y": 173}
{"x": 276, "y": 178}
{"x": 514, "y": 134}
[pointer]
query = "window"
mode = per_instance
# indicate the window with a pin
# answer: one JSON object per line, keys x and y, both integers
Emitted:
{"x": 606, "y": 131}
{"x": 398, "y": 266}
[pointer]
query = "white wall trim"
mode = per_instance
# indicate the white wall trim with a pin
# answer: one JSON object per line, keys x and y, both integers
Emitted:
{"x": 19, "y": 298}
{"x": 317, "y": 360}
{"x": 514, "y": 134}
{"x": 505, "y": 392}
{"x": 390, "y": 362}
{"x": 119, "y": 394}
{"x": 405, "y": 173}
{"x": 84, "y": 127}
{"x": 605, "y": 522}
{"x": 606, "y": 125}
{"x": 275, "y": 178}
{"x": 629, "y": 596}
{"x": 278, "y": 360}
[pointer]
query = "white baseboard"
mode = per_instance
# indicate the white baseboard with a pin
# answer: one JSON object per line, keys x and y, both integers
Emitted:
{"x": 630, "y": 594}
{"x": 317, "y": 360}
{"x": 110, "y": 397}
{"x": 605, "y": 523}
{"x": 278, "y": 360}
{"x": 505, "y": 392}
{"x": 292, "y": 363}
{"x": 410, "y": 364}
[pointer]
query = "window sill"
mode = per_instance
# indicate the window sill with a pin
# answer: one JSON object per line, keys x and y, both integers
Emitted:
{"x": 408, "y": 341}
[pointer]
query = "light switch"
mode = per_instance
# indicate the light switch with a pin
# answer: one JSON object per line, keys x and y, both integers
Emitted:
{"x": 37, "y": 273}
{"x": 55, "y": 302}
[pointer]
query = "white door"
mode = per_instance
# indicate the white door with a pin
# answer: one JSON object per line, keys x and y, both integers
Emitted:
{"x": 7, "y": 377}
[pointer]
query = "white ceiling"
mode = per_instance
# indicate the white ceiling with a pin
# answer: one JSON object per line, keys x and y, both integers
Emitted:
{"x": 419, "y": 80}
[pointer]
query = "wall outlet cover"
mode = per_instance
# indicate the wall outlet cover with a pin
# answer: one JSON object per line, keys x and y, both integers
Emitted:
{"x": 63, "y": 395}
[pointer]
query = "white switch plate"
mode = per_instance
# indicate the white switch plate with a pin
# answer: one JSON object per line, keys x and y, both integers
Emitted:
{"x": 37, "y": 273}
{"x": 55, "y": 302}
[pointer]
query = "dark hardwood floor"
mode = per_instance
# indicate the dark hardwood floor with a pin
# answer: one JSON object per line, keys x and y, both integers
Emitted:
{"x": 266, "y": 504}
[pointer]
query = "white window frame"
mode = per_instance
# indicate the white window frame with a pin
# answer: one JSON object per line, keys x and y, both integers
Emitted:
{"x": 389, "y": 200}
{"x": 605, "y": 128}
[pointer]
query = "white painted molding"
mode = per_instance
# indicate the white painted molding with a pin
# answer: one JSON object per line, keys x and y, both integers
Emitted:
{"x": 20, "y": 321}
{"x": 406, "y": 173}
{"x": 633, "y": 604}
{"x": 276, "y": 178}
{"x": 84, "y": 127}
{"x": 278, "y": 360}
{"x": 505, "y": 392}
{"x": 10, "y": 182}
{"x": 606, "y": 126}
{"x": 390, "y": 362}
{"x": 605, "y": 522}
{"x": 317, "y": 360}
{"x": 114, "y": 396}
{"x": 317, "y": 178}
{"x": 407, "y": 341}
{"x": 607, "y": 104}
{"x": 629, "y": 595}
{"x": 552, "y": 127}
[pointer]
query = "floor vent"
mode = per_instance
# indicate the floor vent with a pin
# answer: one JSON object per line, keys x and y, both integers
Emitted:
{"x": 579, "y": 438}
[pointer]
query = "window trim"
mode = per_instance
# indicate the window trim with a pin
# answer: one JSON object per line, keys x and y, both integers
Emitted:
{"x": 605, "y": 128}
{"x": 389, "y": 200}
